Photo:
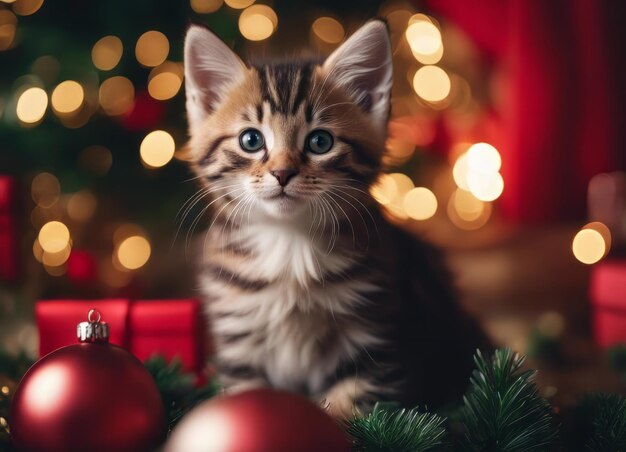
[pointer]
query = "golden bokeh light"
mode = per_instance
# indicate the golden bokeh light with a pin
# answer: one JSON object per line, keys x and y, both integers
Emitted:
{"x": 604, "y": 231}
{"x": 127, "y": 230}
{"x": 551, "y": 324}
{"x": 45, "y": 190}
{"x": 399, "y": 150}
{"x": 205, "y": 6}
{"x": 152, "y": 48}
{"x": 486, "y": 187}
{"x": 420, "y": 203}
{"x": 26, "y": 7}
{"x": 107, "y": 53}
{"x": 460, "y": 171}
{"x": 483, "y": 158}
{"x": 239, "y": 4}
{"x": 588, "y": 246}
{"x": 431, "y": 83}
{"x": 56, "y": 259}
{"x": 81, "y": 206}
{"x": 424, "y": 39}
{"x": 133, "y": 252}
{"x": 403, "y": 184}
{"x": 465, "y": 214}
{"x": 165, "y": 81}
{"x": 117, "y": 95}
{"x": 8, "y": 26}
{"x": 257, "y": 22}
{"x": 54, "y": 237}
{"x": 32, "y": 105}
{"x": 56, "y": 271}
{"x": 157, "y": 149}
{"x": 96, "y": 160}
{"x": 37, "y": 250}
{"x": 328, "y": 30}
{"x": 385, "y": 189}
{"x": 67, "y": 97}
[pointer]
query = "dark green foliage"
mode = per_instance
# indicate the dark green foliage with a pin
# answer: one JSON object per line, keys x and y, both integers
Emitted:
{"x": 177, "y": 390}
{"x": 388, "y": 428}
{"x": 503, "y": 410}
{"x": 607, "y": 424}
{"x": 617, "y": 359}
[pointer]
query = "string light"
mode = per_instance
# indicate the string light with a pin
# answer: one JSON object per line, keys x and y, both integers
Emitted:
{"x": 54, "y": 237}
{"x": 107, "y": 52}
{"x": 117, "y": 95}
{"x": 424, "y": 39}
{"x": 483, "y": 158}
{"x": 206, "y": 6}
{"x": 486, "y": 187}
{"x": 420, "y": 203}
{"x": 477, "y": 171}
{"x": 431, "y": 83}
{"x": 165, "y": 81}
{"x": 157, "y": 149}
{"x": 258, "y": 22}
{"x": 32, "y": 105}
{"x": 588, "y": 246}
{"x": 67, "y": 97}
{"x": 133, "y": 252}
{"x": 328, "y": 30}
{"x": 152, "y": 48}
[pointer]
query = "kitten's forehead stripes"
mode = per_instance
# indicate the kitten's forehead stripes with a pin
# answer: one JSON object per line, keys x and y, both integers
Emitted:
{"x": 210, "y": 152}
{"x": 284, "y": 86}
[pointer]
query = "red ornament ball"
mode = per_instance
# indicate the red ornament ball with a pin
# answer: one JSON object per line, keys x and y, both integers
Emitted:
{"x": 88, "y": 396}
{"x": 260, "y": 420}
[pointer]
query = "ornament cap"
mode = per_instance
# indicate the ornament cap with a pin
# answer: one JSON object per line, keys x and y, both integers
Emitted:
{"x": 93, "y": 330}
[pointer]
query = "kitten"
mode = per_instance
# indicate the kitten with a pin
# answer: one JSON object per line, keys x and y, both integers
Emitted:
{"x": 307, "y": 288}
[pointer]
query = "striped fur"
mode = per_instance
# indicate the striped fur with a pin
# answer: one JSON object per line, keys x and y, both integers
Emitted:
{"x": 307, "y": 287}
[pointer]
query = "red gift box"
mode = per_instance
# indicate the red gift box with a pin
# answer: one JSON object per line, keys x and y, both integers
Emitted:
{"x": 171, "y": 328}
{"x": 7, "y": 194}
{"x": 608, "y": 298}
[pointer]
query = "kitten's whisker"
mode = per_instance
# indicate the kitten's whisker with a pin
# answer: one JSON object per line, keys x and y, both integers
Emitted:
{"x": 336, "y": 192}
{"x": 345, "y": 215}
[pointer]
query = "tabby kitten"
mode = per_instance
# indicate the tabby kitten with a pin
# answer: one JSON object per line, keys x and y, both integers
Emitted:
{"x": 307, "y": 288}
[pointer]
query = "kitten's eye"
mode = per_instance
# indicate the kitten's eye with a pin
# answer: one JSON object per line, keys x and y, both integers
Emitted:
{"x": 319, "y": 142}
{"x": 251, "y": 140}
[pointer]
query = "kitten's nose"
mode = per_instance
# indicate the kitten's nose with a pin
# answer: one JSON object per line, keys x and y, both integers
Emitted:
{"x": 283, "y": 175}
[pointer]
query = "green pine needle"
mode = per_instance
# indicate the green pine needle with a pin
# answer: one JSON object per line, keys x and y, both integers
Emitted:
{"x": 503, "y": 411}
{"x": 608, "y": 424}
{"x": 397, "y": 430}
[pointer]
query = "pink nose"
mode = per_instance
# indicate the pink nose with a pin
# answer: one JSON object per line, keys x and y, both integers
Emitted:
{"x": 283, "y": 175}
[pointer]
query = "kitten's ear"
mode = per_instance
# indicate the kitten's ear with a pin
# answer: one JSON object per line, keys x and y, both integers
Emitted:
{"x": 363, "y": 65}
{"x": 210, "y": 67}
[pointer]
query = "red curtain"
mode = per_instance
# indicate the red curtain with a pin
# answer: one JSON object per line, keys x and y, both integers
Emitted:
{"x": 564, "y": 120}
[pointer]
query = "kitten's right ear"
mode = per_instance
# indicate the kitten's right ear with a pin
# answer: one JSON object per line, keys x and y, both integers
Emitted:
{"x": 210, "y": 67}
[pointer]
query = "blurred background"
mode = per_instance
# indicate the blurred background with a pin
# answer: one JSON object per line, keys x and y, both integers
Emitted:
{"x": 507, "y": 138}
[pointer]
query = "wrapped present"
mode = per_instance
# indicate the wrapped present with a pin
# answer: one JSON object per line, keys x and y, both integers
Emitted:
{"x": 608, "y": 298}
{"x": 171, "y": 328}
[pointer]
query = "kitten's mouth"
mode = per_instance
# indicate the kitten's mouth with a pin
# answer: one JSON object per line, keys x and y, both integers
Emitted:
{"x": 281, "y": 195}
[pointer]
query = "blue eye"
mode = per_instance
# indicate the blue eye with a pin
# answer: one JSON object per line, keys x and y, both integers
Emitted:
{"x": 319, "y": 142}
{"x": 251, "y": 140}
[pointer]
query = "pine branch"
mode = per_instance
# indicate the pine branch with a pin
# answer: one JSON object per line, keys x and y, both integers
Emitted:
{"x": 608, "y": 423}
{"x": 503, "y": 411}
{"x": 398, "y": 430}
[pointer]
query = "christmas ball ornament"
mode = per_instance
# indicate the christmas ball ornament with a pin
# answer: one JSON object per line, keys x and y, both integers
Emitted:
{"x": 260, "y": 420}
{"x": 91, "y": 396}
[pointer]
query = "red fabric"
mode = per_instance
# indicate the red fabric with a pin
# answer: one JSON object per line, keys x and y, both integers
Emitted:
{"x": 563, "y": 119}
{"x": 172, "y": 328}
{"x": 608, "y": 296}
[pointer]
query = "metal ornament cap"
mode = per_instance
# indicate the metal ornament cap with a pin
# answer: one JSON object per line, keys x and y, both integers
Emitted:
{"x": 93, "y": 330}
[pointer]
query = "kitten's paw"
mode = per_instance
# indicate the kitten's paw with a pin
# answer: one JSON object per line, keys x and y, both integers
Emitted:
{"x": 341, "y": 400}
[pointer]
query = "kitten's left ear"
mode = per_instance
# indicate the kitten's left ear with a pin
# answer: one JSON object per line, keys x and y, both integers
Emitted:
{"x": 363, "y": 66}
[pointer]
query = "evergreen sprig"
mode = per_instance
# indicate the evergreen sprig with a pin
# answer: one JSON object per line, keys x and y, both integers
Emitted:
{"x": 388, "y": 428}
{"x": 178, "y": 392}
{"x": 608, "y": 423}
{"x": 503, "y": 411}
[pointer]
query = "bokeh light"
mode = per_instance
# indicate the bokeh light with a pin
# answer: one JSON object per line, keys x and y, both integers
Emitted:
{"x": 157, "y": 149}
{"x": 96, "y": 160}
{"x": 460, "y": 170}
{"x": 588, "y": 246}
{"x": 483, "y": 158}
{"x": 239, "y": 4}
{"x": 165, "y": 81}
{"x": 81, "y": 206}
{"x": 420, "y": 203}
{"x": 466, "y": 212}
{"x": 257, "y": 22}
{"x": 8, "y": 26}
{"x": 133, "y": 252}
{"x": 117, "y": 95}
{"x": 58, "y": 258}
{"x": 26, "y": 7}
{"x": 604, "y": 231}
{"x": 67, "y": 97}
{"x": 424, "y": 38}
{"x": 32, "y": 105}
{"x": 328, "y": 30}
{"x": 54, "y": 237}
{"x": 431, "y": 83}
{"x": 486, "y": 187}
{"x": 45, "y": 190}
{"x": 152, "y": 48}
{"x": 385, "y": 189}
{"x": 107, "y": 52}
{"x": 206, "y": 6}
